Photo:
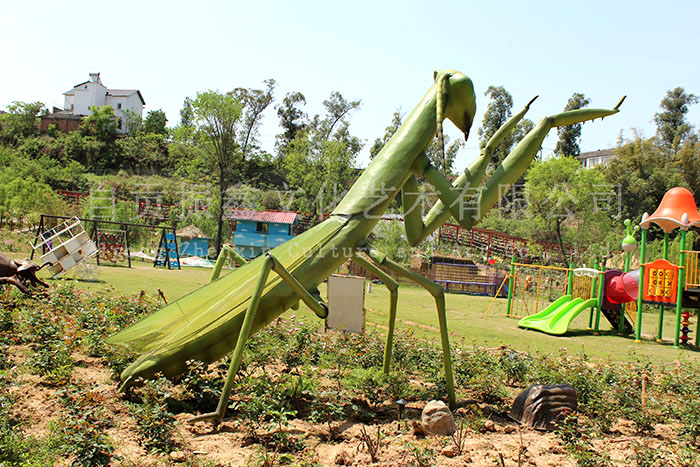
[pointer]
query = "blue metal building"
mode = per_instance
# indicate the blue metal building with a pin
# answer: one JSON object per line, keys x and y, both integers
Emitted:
{"x": 255, "y": 232}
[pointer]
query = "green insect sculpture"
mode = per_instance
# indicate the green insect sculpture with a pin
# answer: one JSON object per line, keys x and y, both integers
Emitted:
{"x": 219, "y": 317}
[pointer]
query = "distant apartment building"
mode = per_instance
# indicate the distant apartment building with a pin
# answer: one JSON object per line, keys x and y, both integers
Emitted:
{"x": 593, "y": 158}
{"x": 83, "y": 96}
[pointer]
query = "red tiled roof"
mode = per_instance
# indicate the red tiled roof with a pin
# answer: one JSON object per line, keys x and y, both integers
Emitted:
{"x": 279, "y": 217}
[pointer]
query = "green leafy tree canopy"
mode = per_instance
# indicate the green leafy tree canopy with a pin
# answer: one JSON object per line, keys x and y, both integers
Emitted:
{"x": 497, "y": 113}
{"x": 672, "y": 128}
{"x": 569, "y": 136}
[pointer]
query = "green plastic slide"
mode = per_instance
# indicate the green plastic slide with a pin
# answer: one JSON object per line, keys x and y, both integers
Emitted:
{"x": 555, "y": 319}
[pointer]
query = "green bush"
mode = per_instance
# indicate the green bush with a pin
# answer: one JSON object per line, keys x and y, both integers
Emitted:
{"x": 83, "y": 433}
{"x": 154, "y": 422}
{"x": 202, "y": 386}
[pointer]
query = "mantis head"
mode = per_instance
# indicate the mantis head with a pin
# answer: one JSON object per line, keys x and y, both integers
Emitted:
{"x": 459, "y": 98}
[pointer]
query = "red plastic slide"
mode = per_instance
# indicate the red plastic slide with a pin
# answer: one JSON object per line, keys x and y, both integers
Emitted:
{"x": 623, "y": 288}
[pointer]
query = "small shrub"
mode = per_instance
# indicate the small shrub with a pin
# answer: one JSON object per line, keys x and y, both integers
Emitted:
{"x": 688, "y": 456}
{"x": 644, "y": 456}
{"x": 154, "y": 421}
{"x": 689, "y": 416}
{"x": 5, "y": 359}
{"x": 95, "y": 325}
{"x": 202, "y": 386}
{"x": 327, "y": 408}
{"x": 576, "y": 440}
{"x": 515, "y": 366}
{"x": 488, "y": 389}
{"x": 117, "y": 362}
{"x": 368, "y": 383}
{"x": 372, "y": 443}
{"x": 7, "y": 324}
{"x": 644, "y": 421}
{"x": 416, "y": 356}
{"x": 53, "y": 362}
{"x": 421, "y": 452}
{"x": 82, "y": 433}
{"x": 469, "y": 365}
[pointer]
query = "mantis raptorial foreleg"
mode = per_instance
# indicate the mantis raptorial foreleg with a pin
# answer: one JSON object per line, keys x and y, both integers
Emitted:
{"x": 452, "y": 196}
{"x": 438, "y": 293}
{"x": 417, "y": 228}
{"x": 393, "y": 287}
{"x": 270, "y": 264}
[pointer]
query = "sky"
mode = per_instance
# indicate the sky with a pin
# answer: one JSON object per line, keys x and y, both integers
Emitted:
{"x": 383, "y": 53}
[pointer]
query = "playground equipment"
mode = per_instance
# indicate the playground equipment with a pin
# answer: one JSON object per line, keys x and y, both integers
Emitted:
{"x": 112, "y": 245}
{"x": 530, "y": 285}
{"x": 622, "y": 294}
{"x": 219, "y": 317}
{"x": 580, "y": 295}
{"x": 167, "y": 254}
{"x": 601, "y": 291}
{"x": 116, "y": 247}
{"x": 63, "y": 246}
{"x": 664, "y": 283}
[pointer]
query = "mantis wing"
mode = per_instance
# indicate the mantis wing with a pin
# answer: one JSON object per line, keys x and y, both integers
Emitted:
{"x": 215, "y": 305}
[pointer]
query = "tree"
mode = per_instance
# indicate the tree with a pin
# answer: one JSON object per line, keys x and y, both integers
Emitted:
{"x": 687, "y": 160}
{"x": 187, "y": 113}
{"x": 337, "y": 108}
{"x": 155, "y": 122}
{"x": 144, "y": 153}
{"x": 434, "y": 153}
{"x": 561, "y": 199}
{"x": 569, "y": 136}
{"x": 133, "y": 123}
{"x": 187, "y": 156}
{"x": 497, "y": 113}
{"x": 643, "y": 172}
{"x": 101, "y": 123}
{"x": 254, "y": 102}
{"x": 672, "y": 127}
{"x": 389, "y": 131}
{"x": 216, "y": 117}
{"x": 19, "y": 122}
{"x": 292, "y": 120}
{"x": 320, "y": 160}
{"x": 25, "y": 198}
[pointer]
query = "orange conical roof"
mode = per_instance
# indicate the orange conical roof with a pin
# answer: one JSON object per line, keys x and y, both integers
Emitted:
{"x": 677, "y": 209}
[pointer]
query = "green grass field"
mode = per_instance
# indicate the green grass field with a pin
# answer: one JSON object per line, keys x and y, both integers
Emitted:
{"x": 416, "y": 313}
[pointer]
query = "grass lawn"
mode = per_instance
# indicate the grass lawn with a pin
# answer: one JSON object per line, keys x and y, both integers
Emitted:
{"x": 416, "y": 313}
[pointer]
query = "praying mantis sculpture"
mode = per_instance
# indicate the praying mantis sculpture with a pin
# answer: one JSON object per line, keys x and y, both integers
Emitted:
{"x": 219, "y": 317}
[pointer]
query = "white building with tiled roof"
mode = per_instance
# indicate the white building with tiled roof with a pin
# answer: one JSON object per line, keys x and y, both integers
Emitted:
{"x": 93, "y": 93}
{"x": 600, "y": 157}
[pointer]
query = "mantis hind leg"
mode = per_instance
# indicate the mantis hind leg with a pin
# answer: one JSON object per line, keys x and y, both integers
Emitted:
{"x": 438, "y": 293}
{"x": 270, "y": 264}
{"x": 240, "y": 346}
{"x": 393, "y": 287}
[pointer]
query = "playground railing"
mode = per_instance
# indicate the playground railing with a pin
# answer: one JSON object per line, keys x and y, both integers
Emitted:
{"x": 692, "y": 275}
{"x": 535, "y": 285}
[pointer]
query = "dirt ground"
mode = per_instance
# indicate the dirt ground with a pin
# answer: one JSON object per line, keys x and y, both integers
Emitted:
{"x": 500, "y": 443}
